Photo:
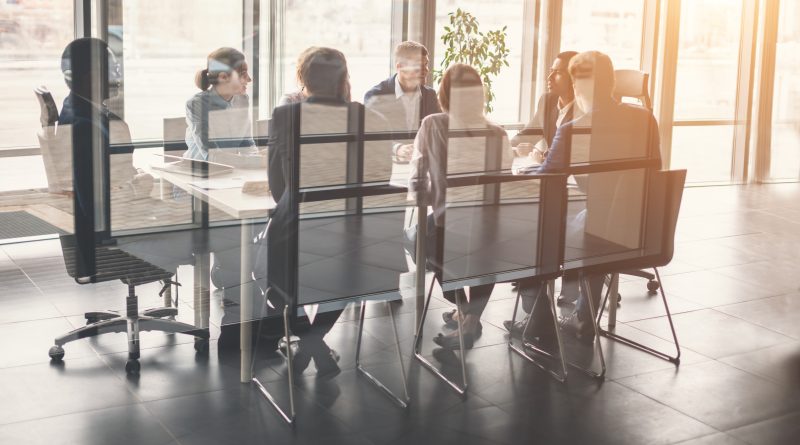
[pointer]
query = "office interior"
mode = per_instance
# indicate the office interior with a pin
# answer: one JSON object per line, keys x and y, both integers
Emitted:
{"x": 231, "y": 222}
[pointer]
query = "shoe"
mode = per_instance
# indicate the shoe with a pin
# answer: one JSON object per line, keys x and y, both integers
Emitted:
{"x": 516, "y": 328}
{"x": 582, "y": 330}
{"x": 451, "y": 341}
{"x": 449, "y": 319}
{"x": 566, "y": 299}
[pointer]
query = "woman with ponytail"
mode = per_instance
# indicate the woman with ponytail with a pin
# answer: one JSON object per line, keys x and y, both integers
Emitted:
{"x": 218, "y": 117}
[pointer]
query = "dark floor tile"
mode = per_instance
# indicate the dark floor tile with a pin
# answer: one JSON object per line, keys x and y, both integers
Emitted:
{"x": 780, "y": 363}
{"x": 711, "y": 288}
{"x": 714, "y": 439}
{"x": 715, "y": 393}
{"x": 714, "y": 334}
{"x": 28, "y": 342}
{"x": 638, "y": 303}
{"x": 126, "y": 424}
{"x": 779, "y": 313}
{"x": 784, "y": 430}
{"x": 38, "y": 391}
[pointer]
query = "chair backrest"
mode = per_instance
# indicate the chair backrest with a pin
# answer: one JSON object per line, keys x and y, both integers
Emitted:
{"x": 632, "y": 83}
{"x": 175, "y": 134}
{"x": 49, "y": 110}
{"x": 671, "y": 186}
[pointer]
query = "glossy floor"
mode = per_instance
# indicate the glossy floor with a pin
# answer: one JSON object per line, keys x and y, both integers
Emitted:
{"x": 733, "y": 287}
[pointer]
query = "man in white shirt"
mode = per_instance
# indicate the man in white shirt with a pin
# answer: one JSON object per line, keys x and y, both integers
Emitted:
{"x": 403, "y": 99}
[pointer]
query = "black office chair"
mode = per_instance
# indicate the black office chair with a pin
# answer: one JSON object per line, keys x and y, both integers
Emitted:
{"x": 49, "y": 111}
{"x": 634, "y": 84}
{"x": 661, "y": 220}
{"x": 116, "y": 264}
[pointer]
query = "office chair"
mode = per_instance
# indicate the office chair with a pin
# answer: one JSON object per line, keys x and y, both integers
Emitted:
{"x": 112, "y": 263}
{"x": 634, "y": 84}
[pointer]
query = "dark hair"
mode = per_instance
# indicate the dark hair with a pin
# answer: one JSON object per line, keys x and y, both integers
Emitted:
{"x": 82, "y": 50}
{"x": 325, "y": 74}
{"x": 302, "y": 63}
{"x": 458, "y": 75}
{"x": 222, "y": 60}
{"x": 566, "y": 56}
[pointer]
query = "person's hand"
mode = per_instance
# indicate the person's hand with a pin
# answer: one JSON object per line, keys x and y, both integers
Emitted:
{"x": 404, "y": 152}
{"x": 538, "y": 155}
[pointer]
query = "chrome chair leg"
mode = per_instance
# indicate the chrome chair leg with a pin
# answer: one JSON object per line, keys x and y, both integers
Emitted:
{"x": 561, "y": 376}
{"x": 403, "y": 402}
{"x": 291, "y": 415}
{"x": 596, "y": 343}
{"x": 461, "y": 390}
{"x": 660, "y": 354}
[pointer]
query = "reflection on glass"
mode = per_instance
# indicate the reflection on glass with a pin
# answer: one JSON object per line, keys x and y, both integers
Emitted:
{"x": 492, "y": 16}
{"x": 785, "y": 155}
{"x": 614, "y": 28}
{"x": 704, "y": 151}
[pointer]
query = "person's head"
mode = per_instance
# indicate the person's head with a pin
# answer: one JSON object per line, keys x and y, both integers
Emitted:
{"x": 325, "y": 74}
{"x": 461, "y": 90}
{"x": 302, "y": 65}
{"x": 411, "y": 62}
{"x": 80, "y": 57}
{"x": 559, "y": 81}
{"x": 226, "y": 71}
{"x": 592, "y": 78}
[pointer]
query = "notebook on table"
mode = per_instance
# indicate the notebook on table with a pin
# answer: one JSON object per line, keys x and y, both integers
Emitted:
{"x": 193, "y": 167}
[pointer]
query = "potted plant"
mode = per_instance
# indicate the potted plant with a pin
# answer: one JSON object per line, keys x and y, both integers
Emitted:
{"x": 464, "y": 43}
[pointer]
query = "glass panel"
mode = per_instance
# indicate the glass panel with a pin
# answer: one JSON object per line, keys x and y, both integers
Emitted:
{"x": 361, "y": 29}
{"x": 614, "y": 28}
{"x": 492, "y": 16}
{"x": 708, "y": 57}
{"x": 704, "y": 151}
{"x": 785, "y": 155}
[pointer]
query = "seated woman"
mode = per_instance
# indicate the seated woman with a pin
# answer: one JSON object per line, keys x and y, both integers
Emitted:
{"x": 302, "y": 65}
{"x": 218, "y": 117}
{"x": 461, "y": 96}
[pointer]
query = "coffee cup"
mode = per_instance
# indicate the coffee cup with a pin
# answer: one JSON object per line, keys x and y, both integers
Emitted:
{"x": 523, "y": 149}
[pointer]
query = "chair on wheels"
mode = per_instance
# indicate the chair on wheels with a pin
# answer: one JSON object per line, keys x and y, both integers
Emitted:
{"x": 111, "y": 263}
{"x": 634, "y": 84}
{"x": 115, "y": 264}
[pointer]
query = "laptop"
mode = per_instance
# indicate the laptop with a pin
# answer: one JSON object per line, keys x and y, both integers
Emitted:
{"x": 193, "y": 167}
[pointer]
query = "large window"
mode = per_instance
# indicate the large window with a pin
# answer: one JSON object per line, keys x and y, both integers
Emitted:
{"x": 785, "y": 153}
{"x": 705, "y": 90}
{"x": 492, "y": 16}
{"x": 614, "y": 28}
{"x": 361, "y": 29}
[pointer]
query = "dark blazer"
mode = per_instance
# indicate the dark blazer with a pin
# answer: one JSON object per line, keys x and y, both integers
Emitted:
{"x": 429, "y": 103}
{"x": 618, "y": 131}
{"x": 548, "y": 103}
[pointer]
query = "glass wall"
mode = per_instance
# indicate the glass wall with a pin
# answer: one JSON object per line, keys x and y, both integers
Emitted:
{"x": 492, "y": 16}
{"x": 614, "y": 28}
{"x": 785, "y": 153}
{"x": 361, "y": 29}
{"x": 705, "y": 90}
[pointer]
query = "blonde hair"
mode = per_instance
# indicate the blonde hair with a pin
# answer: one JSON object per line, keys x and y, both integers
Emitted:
{"x": 221, "y": 60}
{"x": 409, "y": 50}
{"x": 596, "y": 65}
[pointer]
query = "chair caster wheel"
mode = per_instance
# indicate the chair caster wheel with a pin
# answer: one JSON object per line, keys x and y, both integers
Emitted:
{"x": 56, "y": 353}
{"x": 90, "y": 320}
{"x": 132, "y": 366}
{"x": 201, "y": 345}
{"x": 653, "y": 285}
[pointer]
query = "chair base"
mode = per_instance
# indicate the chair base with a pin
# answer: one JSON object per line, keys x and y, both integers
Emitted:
{"x": 103, "y": 322}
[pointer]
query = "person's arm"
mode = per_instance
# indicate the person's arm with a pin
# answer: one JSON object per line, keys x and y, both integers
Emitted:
{"x": 558, "y": 156}
{"x": 278, "y": 162}
{"x": 196, "y": 121}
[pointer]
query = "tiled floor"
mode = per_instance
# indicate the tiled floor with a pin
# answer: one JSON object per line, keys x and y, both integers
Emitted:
{"x": 733, "y": 287}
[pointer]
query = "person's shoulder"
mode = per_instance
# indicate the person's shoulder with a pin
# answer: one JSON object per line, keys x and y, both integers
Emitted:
{"x": 386, "y": 86}
{"x": 197, "y": 98}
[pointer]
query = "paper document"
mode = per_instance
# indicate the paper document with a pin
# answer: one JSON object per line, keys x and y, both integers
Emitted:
{"x": 218, "y": 183}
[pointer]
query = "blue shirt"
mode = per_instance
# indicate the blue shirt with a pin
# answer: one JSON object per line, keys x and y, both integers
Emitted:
{"x": 213, "y": 122}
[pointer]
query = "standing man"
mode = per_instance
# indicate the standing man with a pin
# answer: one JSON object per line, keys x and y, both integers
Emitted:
{"x": 403, "y": 99}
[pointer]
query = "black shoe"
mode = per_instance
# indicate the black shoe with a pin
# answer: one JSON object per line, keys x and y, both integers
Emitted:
{"x": 449, "y": 319}
{"x": 583, "y": 330}
{"x": 566, "y": 299}
{"x": 451, "y": 341}
{"x": 516, "y": 328}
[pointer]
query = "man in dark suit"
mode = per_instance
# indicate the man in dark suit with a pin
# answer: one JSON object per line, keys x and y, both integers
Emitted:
{"x": 403, "y": 99}
{"x": 555, "y": 107}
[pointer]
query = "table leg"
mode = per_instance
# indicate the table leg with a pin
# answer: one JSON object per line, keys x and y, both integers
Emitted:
{"x": 246, "y": 298}
{"x": 613, "y": 296}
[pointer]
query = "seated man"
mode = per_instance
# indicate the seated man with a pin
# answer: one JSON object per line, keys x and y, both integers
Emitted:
{"x": 404, "y": 99}
{"x": 617, "y": 131}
